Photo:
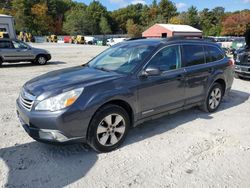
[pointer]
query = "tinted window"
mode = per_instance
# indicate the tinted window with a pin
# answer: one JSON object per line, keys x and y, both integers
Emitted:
{"x": 213, "y": 54}
{"x": 5, "y": 44}
{"x": 193, "y": 55}
{"x": 167, "y": 59}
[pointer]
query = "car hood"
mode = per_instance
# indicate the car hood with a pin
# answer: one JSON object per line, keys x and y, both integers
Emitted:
{"x": 69, "y": 78}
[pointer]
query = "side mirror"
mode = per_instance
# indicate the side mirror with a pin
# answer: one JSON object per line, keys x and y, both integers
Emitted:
{"x": 152, "y": 71}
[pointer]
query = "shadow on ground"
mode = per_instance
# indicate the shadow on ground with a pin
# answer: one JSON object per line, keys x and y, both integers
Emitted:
{"x": 163, "y": 124}
{"x": 39, "y": 165}
{"x": 28, "y": 64}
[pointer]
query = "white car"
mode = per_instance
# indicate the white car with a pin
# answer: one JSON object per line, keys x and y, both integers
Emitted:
{"x": 113, "y": 41}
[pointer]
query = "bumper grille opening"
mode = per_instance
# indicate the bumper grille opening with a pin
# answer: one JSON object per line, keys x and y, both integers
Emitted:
{"x": 26, "y": 100}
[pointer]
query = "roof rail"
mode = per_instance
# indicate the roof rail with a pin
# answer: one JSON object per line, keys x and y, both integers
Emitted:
{"x": 184, "y": 38}
{"x": 136, "y": 38}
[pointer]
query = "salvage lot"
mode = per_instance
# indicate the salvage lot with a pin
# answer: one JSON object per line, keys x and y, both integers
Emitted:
{"x": 187, "y": 149}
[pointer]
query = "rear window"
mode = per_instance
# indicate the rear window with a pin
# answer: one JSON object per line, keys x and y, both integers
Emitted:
{"x": 213, "y": 54}
{"x": 5, "y": 44}
{"x": 192, "y": 55}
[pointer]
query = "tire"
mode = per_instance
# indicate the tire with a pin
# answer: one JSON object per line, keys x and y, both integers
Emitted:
{"x": 41, "y": 60}
{"x": 213, "y": 99}
{"x": 103, "y": 134}
{"x": 1, "y": 61}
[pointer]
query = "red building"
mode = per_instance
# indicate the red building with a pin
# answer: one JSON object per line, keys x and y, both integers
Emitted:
{"x": 169, "y": 30}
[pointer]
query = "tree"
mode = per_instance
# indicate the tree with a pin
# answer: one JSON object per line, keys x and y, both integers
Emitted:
{"x": 41, "y": 20}
{"x": 167, "y": 10}
{"x": 133, "y": 29}
{"x": 77, "y": 21}
{"x": 104, "y": 26}
{"x": 236, "y": 24}
{"x": 192, "y": 17}
{"x": 95, "y": 11}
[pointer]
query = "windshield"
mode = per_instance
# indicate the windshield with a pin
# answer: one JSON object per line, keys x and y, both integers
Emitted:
{"x": 121, "y": 58}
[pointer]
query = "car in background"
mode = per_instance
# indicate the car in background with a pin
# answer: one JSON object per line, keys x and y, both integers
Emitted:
{"x": 18, "y": 51}
{"x": 126, "y": 85}
{"x": 242, "y": 62}
{"x": 113, "y": 41}
{"x": 90, "y": 40}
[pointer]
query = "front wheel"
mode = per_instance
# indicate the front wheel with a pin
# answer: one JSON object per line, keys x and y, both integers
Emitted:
{"x": 214, "y": 98}
{"x": 108, "y": 128}
{"x": 41, "y": 60}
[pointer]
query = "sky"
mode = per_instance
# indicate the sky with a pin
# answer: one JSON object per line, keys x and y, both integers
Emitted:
{"x": 182, "y": 5}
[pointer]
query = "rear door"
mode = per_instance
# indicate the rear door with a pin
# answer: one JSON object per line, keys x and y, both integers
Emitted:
{"x": 197, "y": 73}
{"x": 6, "y": 50}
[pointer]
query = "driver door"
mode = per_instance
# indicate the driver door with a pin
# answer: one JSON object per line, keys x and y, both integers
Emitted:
{"x": 21, "y": 51}
{"x": 166, "y": 91}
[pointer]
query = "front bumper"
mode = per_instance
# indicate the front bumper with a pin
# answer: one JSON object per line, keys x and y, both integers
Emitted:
{"x": 242, "y": 70}
{"x": 58, "y": 127}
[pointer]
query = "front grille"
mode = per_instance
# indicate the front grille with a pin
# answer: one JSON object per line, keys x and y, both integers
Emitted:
{"x": 26, "y": 100}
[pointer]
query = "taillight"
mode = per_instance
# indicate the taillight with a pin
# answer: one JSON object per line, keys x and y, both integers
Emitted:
{"x": 231, "y": 62}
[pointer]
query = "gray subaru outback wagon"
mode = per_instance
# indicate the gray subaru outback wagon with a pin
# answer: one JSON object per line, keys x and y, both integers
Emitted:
{"x": 129, "y": 83}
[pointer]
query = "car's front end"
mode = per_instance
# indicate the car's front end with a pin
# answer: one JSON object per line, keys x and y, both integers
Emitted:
{"x": 58, "y": 106}
{"x": 242, "y": 62}
{"x": 54, "y": 119}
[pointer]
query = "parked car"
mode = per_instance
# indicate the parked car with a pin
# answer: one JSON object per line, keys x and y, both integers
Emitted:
{"x": 18, "y": 51}
{"x": 126, "y": 85}
{"x": 90, "y": 40}
{"x": 114, "y": 41}
{"x": 242, "y": 62}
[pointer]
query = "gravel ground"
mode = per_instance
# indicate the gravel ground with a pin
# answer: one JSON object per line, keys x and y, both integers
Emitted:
{"x": 187, "y": 149}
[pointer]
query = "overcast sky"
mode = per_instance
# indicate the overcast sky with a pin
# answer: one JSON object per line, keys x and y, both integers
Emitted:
{"x": 182, "y": 5}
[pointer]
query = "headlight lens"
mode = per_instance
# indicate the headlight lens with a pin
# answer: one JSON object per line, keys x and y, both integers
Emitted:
{"x": 60, "y": 101}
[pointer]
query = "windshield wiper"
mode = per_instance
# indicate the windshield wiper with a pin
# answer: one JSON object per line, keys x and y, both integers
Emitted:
{"x": 101, "y": 68}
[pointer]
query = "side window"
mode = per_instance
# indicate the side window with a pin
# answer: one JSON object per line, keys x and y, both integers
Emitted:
{"x": 213, "y": 54}
{"x": 5, "y": 44}
{"x": 192, "y": 55}
{"x": 167, "y": 59}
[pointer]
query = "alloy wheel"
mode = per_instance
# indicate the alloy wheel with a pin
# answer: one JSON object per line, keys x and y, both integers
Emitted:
{"x": 41, "y": 60}
{"x": 111, "y": 129}
{"x": 215, "y": 98}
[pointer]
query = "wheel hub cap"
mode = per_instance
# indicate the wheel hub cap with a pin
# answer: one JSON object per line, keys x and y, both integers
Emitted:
{"x": 110, "y": 130}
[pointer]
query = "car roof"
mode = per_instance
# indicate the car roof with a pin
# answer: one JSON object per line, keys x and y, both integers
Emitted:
{"x": 166, "y": 41}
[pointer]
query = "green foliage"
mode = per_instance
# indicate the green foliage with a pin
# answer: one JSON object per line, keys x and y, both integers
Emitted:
{"x": 104, "y": 26}
{"x": 77, "y": 21}
{"x": 192, "y": 17}
{"x": 133, "y": 29}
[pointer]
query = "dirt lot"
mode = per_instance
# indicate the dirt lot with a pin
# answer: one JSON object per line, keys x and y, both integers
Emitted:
{"x": 188, "y": 149}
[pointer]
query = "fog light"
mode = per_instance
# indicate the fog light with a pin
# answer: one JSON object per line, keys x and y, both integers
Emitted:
{"x": 52, "y": 135}
{"x": 46, "y": 135}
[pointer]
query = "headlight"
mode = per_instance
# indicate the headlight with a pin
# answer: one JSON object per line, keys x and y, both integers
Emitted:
{"x": 60, "y": 101}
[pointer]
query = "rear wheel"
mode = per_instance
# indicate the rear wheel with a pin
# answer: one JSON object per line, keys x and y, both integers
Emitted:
{"x": 214, "y": 97}
{"x": 108, "y": 128}
{"x": 41, "y": 60}
{"x": 1, "y": 61}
